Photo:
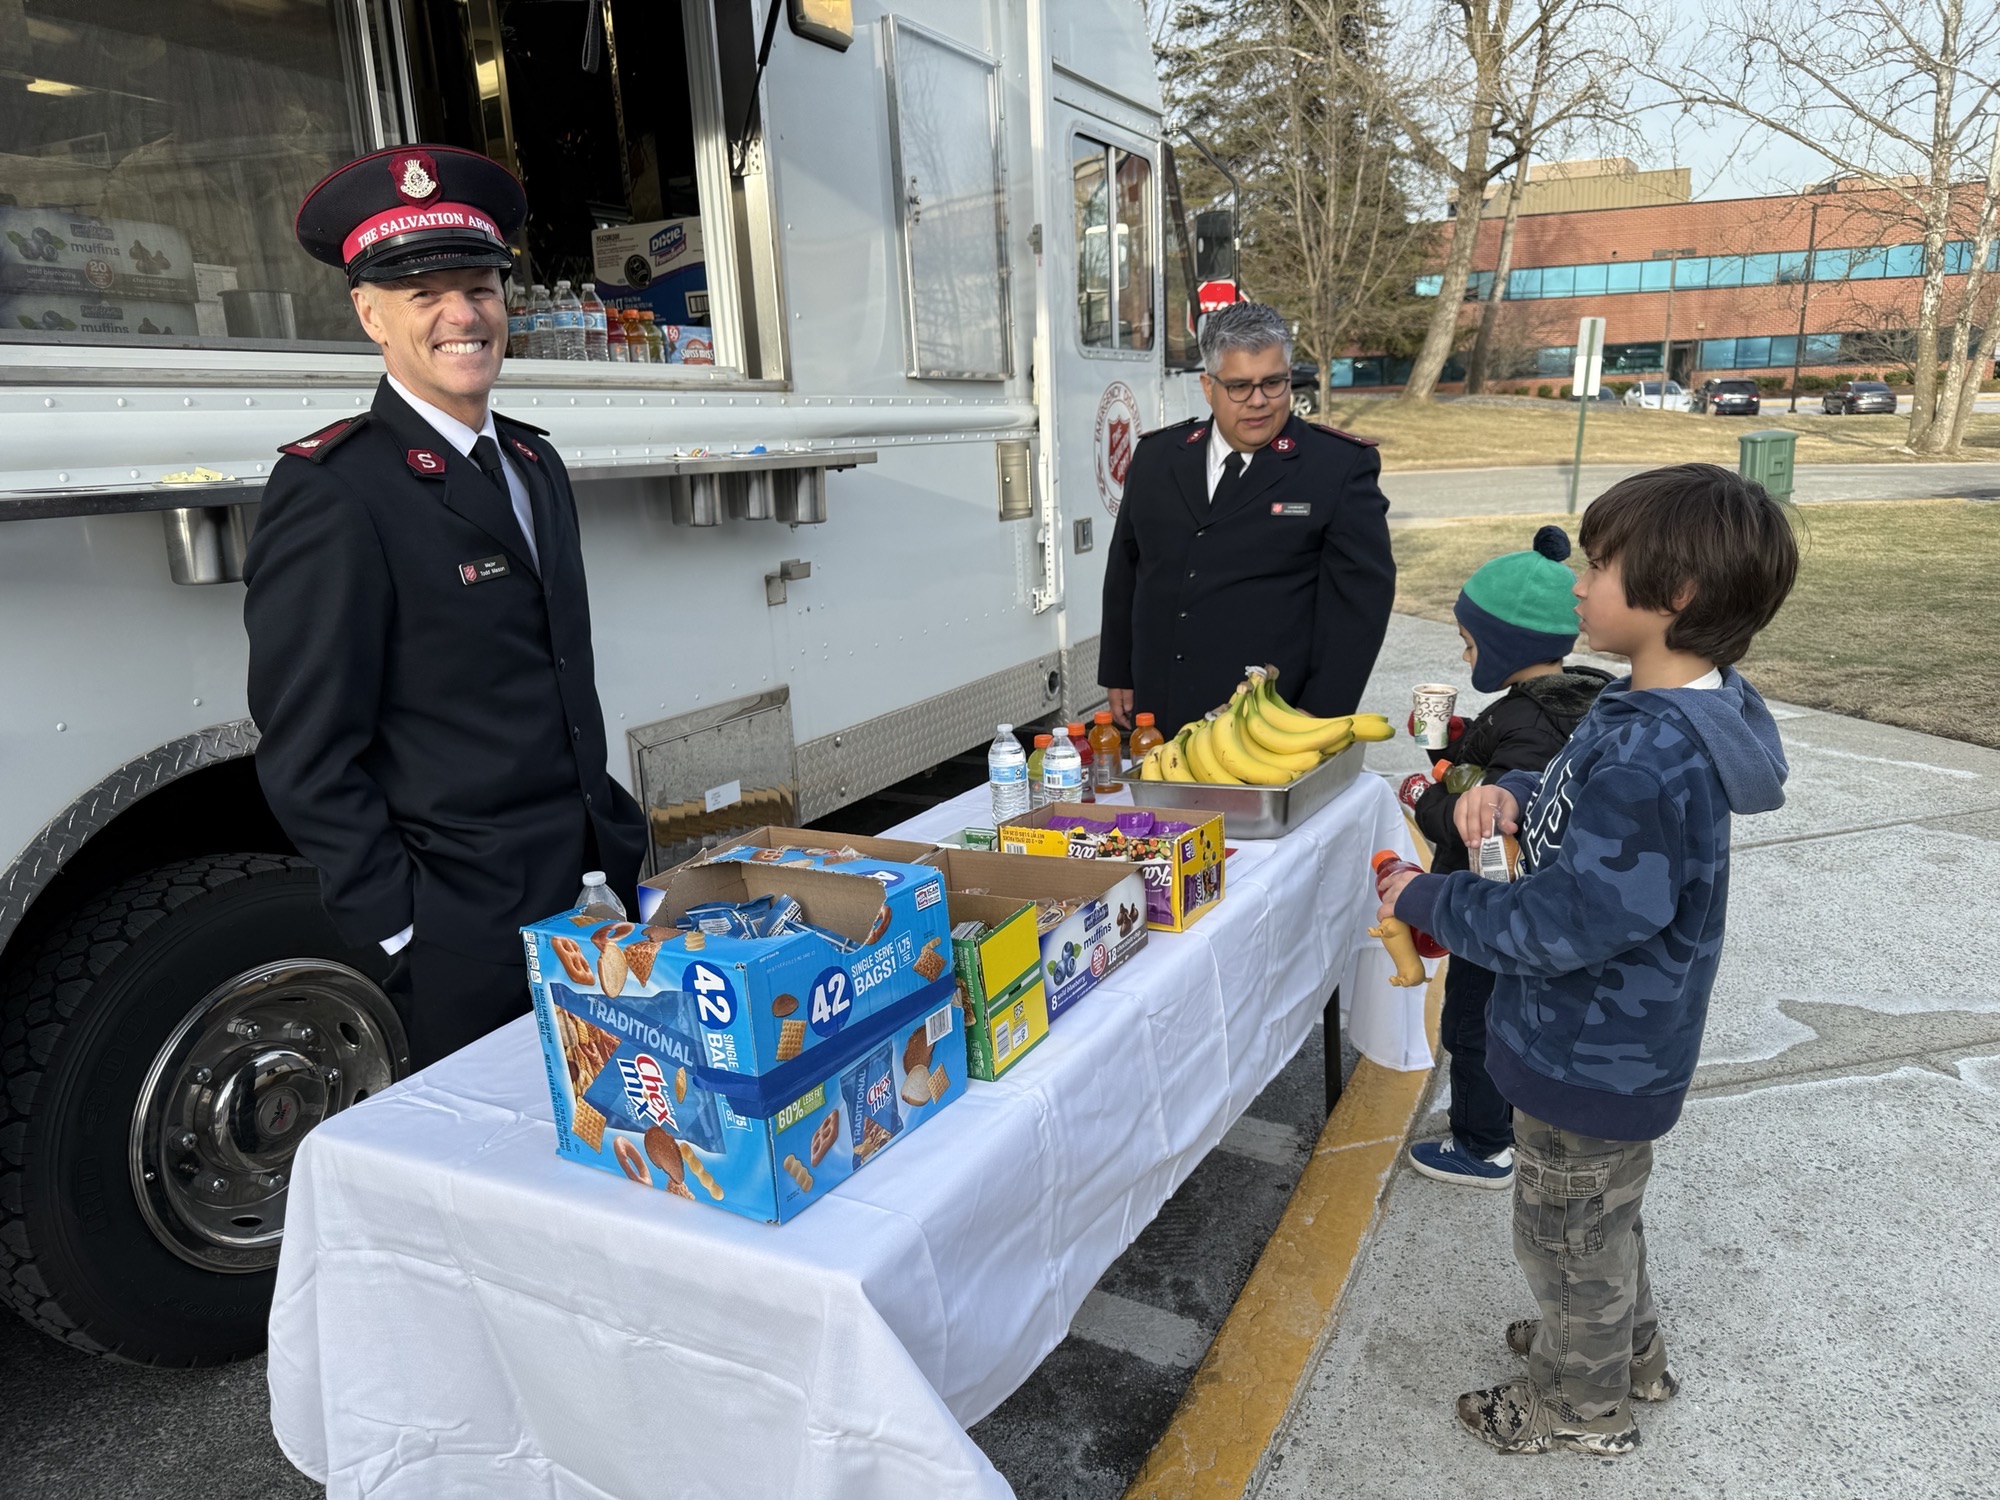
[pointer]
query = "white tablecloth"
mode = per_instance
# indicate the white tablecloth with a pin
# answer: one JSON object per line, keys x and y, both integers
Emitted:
{"x": 460, "y": 1313}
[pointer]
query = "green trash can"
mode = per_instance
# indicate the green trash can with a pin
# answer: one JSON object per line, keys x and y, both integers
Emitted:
{"x": 1766, "y": 457}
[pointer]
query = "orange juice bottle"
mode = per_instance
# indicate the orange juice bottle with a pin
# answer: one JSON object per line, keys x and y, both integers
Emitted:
{"x": 1144, "y": 737}
{"x": 1107, "y": 753}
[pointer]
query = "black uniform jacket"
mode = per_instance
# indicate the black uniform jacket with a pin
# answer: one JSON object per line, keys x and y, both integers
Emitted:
{"x": 431, "y": 733}
{"x": 1294, "y": 570}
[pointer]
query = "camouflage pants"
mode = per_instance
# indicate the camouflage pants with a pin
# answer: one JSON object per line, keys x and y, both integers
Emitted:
{"x": 1580, "y": 1242}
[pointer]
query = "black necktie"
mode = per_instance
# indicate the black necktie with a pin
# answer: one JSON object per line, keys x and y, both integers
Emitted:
{"x": 1225, "y": 487}
{"x": 486, "y": 453}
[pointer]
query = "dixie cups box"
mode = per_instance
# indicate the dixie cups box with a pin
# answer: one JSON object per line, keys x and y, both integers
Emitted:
{"x": 751, "y": 1073}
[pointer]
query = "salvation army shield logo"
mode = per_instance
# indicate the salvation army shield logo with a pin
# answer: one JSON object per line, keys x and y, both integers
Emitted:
{"x": 1116, "y": 437}
{"x": 415, "y": 176}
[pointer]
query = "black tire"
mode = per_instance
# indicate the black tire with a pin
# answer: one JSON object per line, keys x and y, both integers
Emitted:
{"x": 82, "y": 1019}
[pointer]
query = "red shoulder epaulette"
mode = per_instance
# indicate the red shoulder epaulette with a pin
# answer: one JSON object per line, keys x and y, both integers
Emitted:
{"x": 315, "y": 446}
{"x": 1350, "y": 436}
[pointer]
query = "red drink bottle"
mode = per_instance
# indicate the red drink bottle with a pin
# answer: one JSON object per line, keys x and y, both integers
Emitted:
{"x": 1388, "y": 862}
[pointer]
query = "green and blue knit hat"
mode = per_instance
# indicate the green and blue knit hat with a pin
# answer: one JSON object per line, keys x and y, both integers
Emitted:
{"x": 1519, "y": 610}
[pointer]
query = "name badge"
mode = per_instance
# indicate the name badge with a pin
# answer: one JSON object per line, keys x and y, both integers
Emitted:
{"x": 482, "y": 568}
{"x": 1292, "y": 508}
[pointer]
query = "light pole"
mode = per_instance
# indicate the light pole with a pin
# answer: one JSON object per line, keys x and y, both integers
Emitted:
{"x": 1673, "y": 259}
{"x": 1805, "y": 295}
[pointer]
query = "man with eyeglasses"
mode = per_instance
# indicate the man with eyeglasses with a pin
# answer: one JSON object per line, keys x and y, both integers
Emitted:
{"x": 1246, "y": 536}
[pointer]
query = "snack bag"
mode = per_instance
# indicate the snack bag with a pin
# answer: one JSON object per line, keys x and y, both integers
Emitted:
{"x": 868, "y": 1094}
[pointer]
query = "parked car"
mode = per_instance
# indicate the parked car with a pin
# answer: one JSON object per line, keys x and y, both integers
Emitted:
{"x": 1305, "y": 388}
{"x": 1646, "y": 393}
{"x": 1854, "y": 398}
{"x": 1728, "y": 398}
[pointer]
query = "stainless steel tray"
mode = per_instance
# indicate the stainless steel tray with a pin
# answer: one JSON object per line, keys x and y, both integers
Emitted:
{"x": 1259, "y": 812}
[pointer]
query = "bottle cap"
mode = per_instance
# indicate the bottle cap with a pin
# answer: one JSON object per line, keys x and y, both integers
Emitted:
{"x": 1383, "y": 857}
{"x": 1043, "y": 741}
{"x": 1005, "y": 728}
{"x": 1075, "y": 728}
{"x": 1146, "y": 719}
{"x": 593, "y": 877}
{"x": 1103, "y": 716}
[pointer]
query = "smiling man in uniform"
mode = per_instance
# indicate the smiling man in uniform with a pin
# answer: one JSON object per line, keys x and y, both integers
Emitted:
{"x": 1246, "y": 536}
{"x": 420, "y": 654}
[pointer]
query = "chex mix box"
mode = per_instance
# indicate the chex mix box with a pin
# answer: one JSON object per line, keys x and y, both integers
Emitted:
{"x": 997, "y": 958}
{"x": 801, "y": 1022}
{"x": 1179, "y": 849}
{"x": 1090, "y": 917}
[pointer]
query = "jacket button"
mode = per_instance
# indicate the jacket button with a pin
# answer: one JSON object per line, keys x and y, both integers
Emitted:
{"x": 586, "y": 799}
{"x": 1180, "y": 658}
{"x": 1190, "y": 572}
{"x": 562, "y": 664}
{"x": 1183, "y": 614}
{"x": 1202, "y": 532}
{"x": 575, "y": 733}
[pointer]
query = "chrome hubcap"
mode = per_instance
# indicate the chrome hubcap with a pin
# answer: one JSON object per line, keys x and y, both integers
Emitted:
{"x": 245, "y": 1076}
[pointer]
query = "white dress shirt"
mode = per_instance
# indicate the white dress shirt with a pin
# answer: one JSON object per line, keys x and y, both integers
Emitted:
{"x": 461, "y": 439}
{"x": 1218, "y": 454}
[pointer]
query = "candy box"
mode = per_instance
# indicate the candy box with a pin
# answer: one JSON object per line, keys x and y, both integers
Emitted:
{"x": 809, "y": 846}
{"x": 1090, "y": 915}
{"x": 996, "y": 956}
{"x": 1182, "y": 862}
{"x": 633, "y": 1095}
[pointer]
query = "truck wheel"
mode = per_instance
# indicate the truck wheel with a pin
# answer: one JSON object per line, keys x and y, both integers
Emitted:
{"x": 162, "y": 1053}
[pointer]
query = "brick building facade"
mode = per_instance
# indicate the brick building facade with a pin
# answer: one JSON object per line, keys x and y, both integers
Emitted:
{"x": 1729, "y": 277}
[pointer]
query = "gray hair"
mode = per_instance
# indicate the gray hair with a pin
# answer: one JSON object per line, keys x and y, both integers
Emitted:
{"x": 1249, "y": 326}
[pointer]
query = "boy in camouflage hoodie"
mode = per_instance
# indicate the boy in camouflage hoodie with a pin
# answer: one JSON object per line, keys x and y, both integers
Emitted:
{"x": 1607, "y": 944}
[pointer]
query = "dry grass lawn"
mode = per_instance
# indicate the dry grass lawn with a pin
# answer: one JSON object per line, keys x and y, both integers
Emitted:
{"x": 1457, "y": 434}
{"x": 1892, "y": 619}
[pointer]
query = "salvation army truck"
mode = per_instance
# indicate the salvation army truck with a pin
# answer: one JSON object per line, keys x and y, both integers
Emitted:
{"x": 934, "y": 257}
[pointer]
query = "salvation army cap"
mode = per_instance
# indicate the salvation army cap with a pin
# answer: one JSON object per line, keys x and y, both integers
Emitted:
{"x": 411, "y": 209}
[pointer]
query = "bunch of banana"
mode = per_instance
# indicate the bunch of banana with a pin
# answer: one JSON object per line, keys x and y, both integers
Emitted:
{"x": 1257, "y": 739}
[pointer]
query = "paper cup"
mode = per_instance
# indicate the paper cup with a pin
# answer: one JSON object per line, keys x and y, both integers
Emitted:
{"x": 1433, "y": 703}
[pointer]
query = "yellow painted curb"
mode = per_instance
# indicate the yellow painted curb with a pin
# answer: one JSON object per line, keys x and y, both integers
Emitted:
{"x": 1254, "y": 1368}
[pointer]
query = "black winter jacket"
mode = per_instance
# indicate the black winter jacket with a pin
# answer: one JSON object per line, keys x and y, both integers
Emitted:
{"x": 1520, "y": 731}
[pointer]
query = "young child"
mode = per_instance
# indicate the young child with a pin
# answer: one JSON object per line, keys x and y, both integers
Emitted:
{"x": 1517, "y": 617}
{"x": 1606, "y": 948}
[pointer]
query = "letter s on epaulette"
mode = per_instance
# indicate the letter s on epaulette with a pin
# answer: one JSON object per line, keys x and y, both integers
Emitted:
{"x": 315, "y": 446}
{"x": 1350, "y": 436}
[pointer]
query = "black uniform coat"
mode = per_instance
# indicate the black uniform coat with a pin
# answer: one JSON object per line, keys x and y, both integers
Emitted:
{"x": 1293, "y": 570}
{"x": 433, "y": 744}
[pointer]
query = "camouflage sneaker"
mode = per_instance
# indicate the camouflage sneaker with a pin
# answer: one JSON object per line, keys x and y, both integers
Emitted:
{"x": 1516, "y": 1418}
{"x": 1651, "y": 1379}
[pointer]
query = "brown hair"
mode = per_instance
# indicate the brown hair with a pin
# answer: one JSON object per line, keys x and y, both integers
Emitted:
{"x": 1702, "y": 526}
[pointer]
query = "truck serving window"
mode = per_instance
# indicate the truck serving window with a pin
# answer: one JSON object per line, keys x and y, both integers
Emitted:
{"x": 152, "y": 157}
{"x": 1113, "y": 195}
{"x": 944, "y": 111}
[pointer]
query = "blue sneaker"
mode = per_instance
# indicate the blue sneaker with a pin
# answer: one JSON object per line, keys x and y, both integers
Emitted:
{"x": 1448, "y": 1161}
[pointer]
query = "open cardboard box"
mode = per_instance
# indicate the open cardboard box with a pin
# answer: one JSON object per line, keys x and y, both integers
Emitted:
{"x": 999, "y": 981}
{"x": 1103, "y": 933}
{"x": 1181, "y": 885}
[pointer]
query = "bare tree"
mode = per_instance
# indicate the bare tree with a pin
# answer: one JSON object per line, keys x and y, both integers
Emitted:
{"x": 1519, "y": 72}
{"x": 1287, "y": 93}
{"x": 1898, "y": 92}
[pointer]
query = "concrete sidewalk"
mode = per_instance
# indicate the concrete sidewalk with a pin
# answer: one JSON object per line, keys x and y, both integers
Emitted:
{"x": 1431, "y": 494}
{"x": 1822, "y": 1224}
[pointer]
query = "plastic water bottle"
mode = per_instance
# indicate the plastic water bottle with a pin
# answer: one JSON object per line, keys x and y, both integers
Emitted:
{"x": 1062, "y": 769}
{"x": 569, "y": 323}
{"x": 594, "y": 341}
{"x": 518, "y": 321}
{"x": 1007, "y": 776}
{"x": 596, "y": 897}
{"x": 541, "y": 324}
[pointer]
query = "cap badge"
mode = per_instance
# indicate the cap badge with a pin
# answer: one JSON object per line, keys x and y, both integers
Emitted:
{"x": 1283, "y": 445}
{"x": 423, "y": 461}
{"x": 415, "y": 176}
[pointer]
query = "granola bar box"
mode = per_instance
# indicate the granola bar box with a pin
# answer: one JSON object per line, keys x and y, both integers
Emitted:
{"x": 670, "y": 1061}
{"x": 1183, "y": 867}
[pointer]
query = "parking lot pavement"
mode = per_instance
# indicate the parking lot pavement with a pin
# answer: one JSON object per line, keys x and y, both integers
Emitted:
{"x": 1821, "y": 1224}
{"x": 1435, "y": 494}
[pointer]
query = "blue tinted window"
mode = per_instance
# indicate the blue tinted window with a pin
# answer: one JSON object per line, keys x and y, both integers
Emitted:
{"x": 1478, "y": 285}
{"x": 1368, "y": 371}
{"x": 1558, "y": 281}
{"x": 1622, "y": 276}
{"x": 1340, "y": 372}
{"x": 1791, "y": 267}
{"x": 1760, "y": 270}
{"x": 1623, "y": 359}
{"x": 1822, "y": 348}
{"x": 1993, "y": 257}
{"x": 1725, "y": 270}
{"x": 1524, "y": 284}
{"x": 1590, "y": 281}
{"x": 1718, "y": 354}
{"x": 1831, "y": 265}
{"x": 1868, "y": 265}
{"x": 1691, "y": 272}
{"x": 1784, "y": 348}
{"x": 1653, "y": 276}
{"x": 1556, "y": 361}
{"x": 1904, "y": 260}
{"x": 1752, "y": 354}
{"x": 1429, "y": 286}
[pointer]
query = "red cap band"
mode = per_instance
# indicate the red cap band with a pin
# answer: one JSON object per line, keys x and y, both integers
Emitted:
{"x": 404, "y": 219}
